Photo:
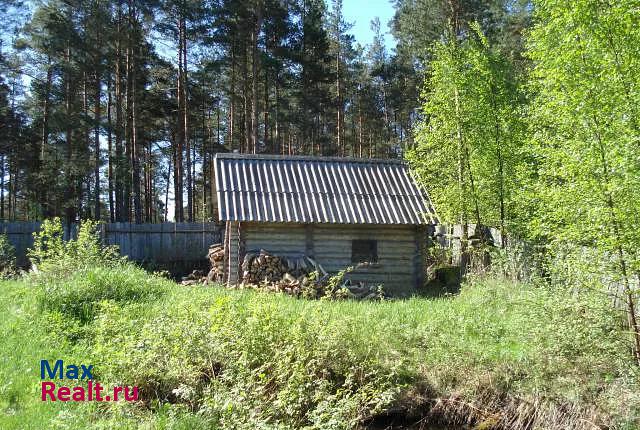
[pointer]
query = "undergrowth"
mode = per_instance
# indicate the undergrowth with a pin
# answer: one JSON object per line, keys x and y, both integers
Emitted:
{"x": 501, "y": 353}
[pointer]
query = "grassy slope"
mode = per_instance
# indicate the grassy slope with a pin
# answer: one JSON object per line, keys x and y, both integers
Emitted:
{"x": 24, "y": 342}
{"x": 499, "y": 352}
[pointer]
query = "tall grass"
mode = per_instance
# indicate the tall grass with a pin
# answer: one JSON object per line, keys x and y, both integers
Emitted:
{"x": 211, "y": 357}
{"x": 500, "y": 354}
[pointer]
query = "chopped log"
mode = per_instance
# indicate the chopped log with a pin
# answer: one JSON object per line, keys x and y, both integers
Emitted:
{"x": 264, "y": 271}
{"x": 216, "y": 260}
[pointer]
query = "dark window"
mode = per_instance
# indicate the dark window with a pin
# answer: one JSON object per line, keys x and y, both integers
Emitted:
{"x": 364, "y": 251}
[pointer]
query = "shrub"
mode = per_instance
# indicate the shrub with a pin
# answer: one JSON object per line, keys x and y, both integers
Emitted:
{"x": 245, "y": 360}
{"x": 334, "y": 289}
{"x": 77, "y": 276}
{"x": 53, "y": 255}
{"x": 218, "y": 358}
{"x": 8, "y": 268}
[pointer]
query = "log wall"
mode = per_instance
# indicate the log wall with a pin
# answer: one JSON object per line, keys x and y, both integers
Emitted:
{"x": 399, "y": 268}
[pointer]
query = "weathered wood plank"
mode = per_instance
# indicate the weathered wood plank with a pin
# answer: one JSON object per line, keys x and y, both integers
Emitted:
{"x": 162, "y": 243}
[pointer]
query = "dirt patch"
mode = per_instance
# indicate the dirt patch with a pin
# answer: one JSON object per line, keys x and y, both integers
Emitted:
{"x": 487, "y": 411}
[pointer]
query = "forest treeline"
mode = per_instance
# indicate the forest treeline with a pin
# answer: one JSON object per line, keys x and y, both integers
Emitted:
{"x": 111, "y": 109}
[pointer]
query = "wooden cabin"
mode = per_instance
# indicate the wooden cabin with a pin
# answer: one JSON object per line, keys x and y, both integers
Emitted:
{"x": 365, "y": 213}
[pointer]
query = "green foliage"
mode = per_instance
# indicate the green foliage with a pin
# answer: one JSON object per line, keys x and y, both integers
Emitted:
{"x": 8, "y": 268}
{"x": 584, "y": 142}
{"x": 585, "y": 123}
{"x": 246, "y": 359}
{"x": 83, "y": 292}
{"x": 26, "y": 339}
{"x": 48, "y": 243}
{"x": 53, "y": 255}
{"x": 467, "y": 144}
{"x": 439, "y": 256}
{"x": 218, "y": 358}
{"x": 332, "y": 287}
{"x": 517, "y": 262}
{"x": 334, "y": 290}
{"x": 75, "y": 276}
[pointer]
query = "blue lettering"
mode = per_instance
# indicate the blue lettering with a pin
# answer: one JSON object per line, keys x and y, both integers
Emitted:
{"x": 72, "y": 372}
{"x": 57, "y": 369}
{"x": 86, "y": 371}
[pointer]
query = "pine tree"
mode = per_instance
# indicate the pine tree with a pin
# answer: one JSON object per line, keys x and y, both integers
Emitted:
{"x": 130, "y": 100}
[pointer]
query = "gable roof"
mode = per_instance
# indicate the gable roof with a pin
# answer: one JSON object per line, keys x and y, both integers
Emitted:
{"x": 274, "y": 188}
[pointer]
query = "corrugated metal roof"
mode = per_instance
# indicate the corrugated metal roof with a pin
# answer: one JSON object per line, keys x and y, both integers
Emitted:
{"x": 273, "y": 188}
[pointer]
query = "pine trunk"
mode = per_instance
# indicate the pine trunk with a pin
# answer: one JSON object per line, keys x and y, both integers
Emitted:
{"x": 135, "y": 144}
{"x": 119, "y": 153}
{"x": 110, "y": 152}
{"x": 185, "y": 115}
{"x": 178, "y": 175}
{"x": 96, "y": 137}
{"x": 254, "y": 78}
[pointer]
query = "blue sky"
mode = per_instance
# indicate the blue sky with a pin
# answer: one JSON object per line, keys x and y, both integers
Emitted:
{"x": 361, "y": 12}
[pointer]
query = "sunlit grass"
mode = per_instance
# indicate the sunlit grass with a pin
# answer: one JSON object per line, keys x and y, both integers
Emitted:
{"x": 212, "y": 357}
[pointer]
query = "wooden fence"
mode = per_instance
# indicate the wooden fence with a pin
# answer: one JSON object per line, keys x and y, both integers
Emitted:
{"x": 163, "y": 243}
{"x": 449, "y": 236}
{"x": 174, "y": 244}
{"x": 20, "y": 235}
{"x": 159, "y": 244}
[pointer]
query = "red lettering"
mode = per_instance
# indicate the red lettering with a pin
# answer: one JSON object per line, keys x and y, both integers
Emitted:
{"x": 98, "y": 389}
{"x": 64, "y": 393}
{"x": 49, "y": 391}
{"x": 134, "y": 397}
{"x": 48, "y": 388}
{"x": 78, "y": 394}
{"x": 116, "y": 391}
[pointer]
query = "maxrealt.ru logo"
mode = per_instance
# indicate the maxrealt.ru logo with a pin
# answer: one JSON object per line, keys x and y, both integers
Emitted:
{"x": 93, "y": 391}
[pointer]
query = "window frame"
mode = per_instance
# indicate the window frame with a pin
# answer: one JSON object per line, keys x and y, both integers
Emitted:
{"x": 362, "y": 247}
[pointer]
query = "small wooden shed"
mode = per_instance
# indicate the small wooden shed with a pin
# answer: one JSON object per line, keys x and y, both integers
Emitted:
{"x": 365, "y": 213}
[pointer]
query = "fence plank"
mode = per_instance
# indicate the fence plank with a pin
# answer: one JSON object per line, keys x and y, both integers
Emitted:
{"x": 159, "y": 243}
{"x": 166, "y": 243}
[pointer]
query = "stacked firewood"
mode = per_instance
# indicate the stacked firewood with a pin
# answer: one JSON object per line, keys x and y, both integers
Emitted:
{"x": 286, "y": 274}
{"x": 263, "y": 267}
{"x": 292, "y": 275}
{"x": 299, "y": 276}
{"x": 216, "y": 259}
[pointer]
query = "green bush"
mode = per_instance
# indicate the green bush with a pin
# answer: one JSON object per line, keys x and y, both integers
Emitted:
{"x": 8, "y": 267}
{"x": 218, "y": 358}
{"x": 53, "y": 255}
{"x": 76, "y": 276}
{"x": 243, "y": 359}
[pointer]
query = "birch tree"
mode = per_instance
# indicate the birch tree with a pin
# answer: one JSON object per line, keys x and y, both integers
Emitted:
{"x": 469, "y": 137}
{"x": 586, "y": 134}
